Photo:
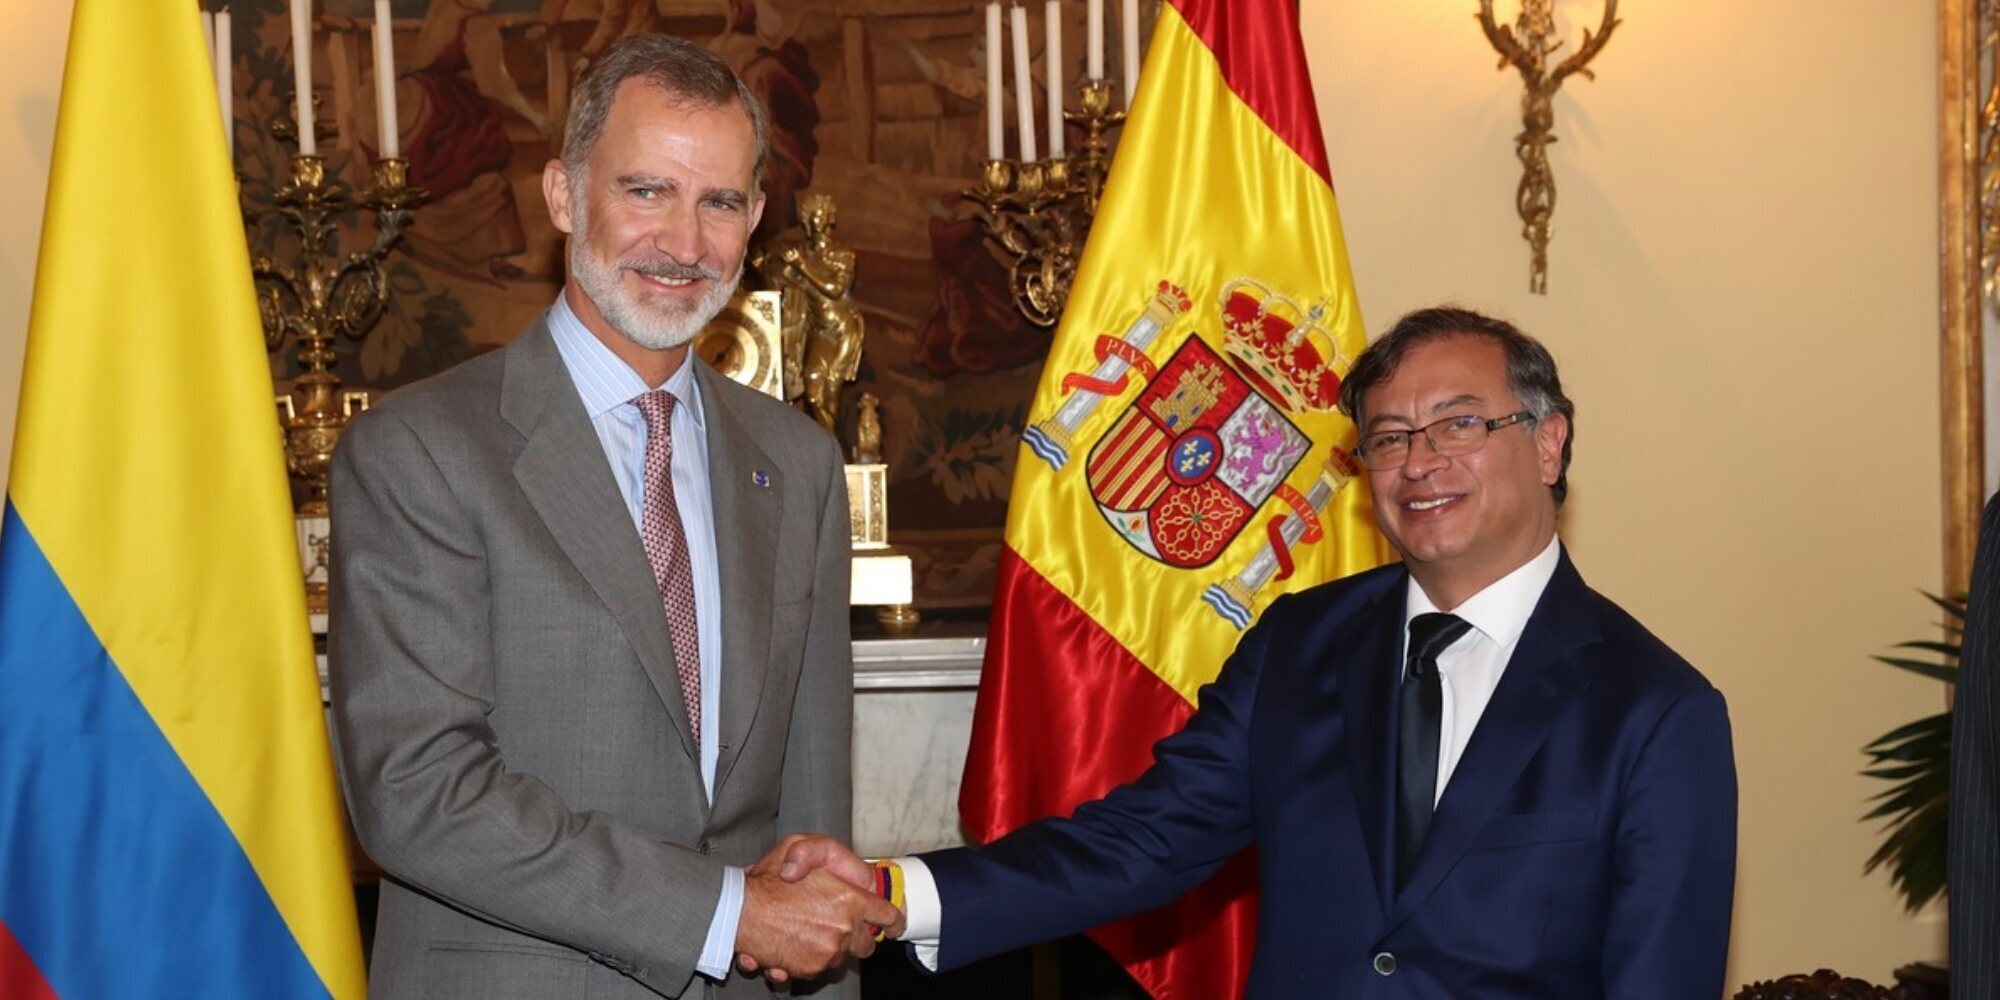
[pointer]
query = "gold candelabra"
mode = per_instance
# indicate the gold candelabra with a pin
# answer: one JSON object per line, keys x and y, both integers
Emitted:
{"x": 1527, "y": 47}
{"x": 1040, "y": 211}
{"x": 324, "y": 296}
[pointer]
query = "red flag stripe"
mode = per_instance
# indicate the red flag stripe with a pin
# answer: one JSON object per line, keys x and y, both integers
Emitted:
{"x": 1263, "y": 60}
{"x": 1197, "y": 947}
{"x": 19, "y": 978}
{"x": 1040, "y": 743}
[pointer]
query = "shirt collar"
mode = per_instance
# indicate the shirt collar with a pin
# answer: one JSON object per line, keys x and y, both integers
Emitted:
{"x": 1500, "y": 612}
{"x": 603, "y": 379}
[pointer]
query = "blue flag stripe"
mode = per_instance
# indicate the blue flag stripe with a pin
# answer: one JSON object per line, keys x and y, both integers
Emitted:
{"x": 116, "y": 874}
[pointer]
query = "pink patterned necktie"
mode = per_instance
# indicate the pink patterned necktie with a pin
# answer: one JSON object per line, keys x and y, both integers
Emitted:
{"x": 666, "y": 548}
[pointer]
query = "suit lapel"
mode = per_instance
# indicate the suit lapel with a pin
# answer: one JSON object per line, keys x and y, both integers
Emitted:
{"x": 1363, "y": 656}
{"x": 563, "y": 473}
{"x": 747, "y": 489}
{"x": 1542, "y": 680}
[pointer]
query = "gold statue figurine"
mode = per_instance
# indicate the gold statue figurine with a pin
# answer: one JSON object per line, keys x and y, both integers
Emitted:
{"x": 868, "y": 431}
{"x": 822, "y": 325}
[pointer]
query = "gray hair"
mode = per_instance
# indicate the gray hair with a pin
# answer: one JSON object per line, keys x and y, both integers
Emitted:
{"x": 1531, "y": 370}
{"x": 684, "y": 70}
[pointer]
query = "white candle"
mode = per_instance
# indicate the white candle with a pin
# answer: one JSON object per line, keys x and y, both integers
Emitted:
{"x": 1131, "y": 25}
{"x": 302, "y": 75}
{"x": 1024, "y": 86}
{"x": 1096, "y": 40}
{"x": 1053, "y": 56}
{"x": 225, "y": 79}
{"x": 996, "y": 129}
{"x": 385, "y": 83}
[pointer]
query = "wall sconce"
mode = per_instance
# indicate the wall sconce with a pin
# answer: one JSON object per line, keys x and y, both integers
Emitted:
{"x": 1527, "y": 46}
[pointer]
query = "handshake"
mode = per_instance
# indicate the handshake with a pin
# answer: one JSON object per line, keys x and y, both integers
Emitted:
{"x": 807, "y": 905}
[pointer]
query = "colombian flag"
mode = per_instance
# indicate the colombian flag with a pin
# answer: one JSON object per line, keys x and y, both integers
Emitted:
{"x": 1184, "y": 462}
{"x": 168, "y": 821}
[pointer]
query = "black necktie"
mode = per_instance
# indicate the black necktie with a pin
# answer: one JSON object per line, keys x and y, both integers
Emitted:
{"x": 1417, "y": 752}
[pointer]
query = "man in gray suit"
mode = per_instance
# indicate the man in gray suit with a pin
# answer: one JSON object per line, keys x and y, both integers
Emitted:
{"x": 589, "y": 646}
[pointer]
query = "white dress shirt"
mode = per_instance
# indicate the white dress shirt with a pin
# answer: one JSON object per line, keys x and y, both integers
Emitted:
{"x": 1469, "y": 668}
{"x": 608, "y": 386}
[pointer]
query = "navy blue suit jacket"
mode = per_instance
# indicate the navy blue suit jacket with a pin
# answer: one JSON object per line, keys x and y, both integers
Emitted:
{"x": 1585, "y": 845}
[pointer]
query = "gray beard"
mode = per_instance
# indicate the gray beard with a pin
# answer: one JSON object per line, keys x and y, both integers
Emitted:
{"x": 652, "y": 329}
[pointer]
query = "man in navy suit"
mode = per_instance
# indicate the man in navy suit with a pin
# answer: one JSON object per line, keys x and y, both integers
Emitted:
{"x": 1466, "y": 776}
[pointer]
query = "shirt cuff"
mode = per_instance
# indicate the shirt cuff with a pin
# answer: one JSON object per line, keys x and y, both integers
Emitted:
{"x": 923, "y": 912}
{"x": 719, "y": 951}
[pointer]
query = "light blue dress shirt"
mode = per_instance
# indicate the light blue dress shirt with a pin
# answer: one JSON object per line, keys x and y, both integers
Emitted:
{"x": 608, "y": 386}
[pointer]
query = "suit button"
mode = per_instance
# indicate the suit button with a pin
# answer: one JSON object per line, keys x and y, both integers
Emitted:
{"x": 1385, "y": 963}
{"x": 704, "y": 847}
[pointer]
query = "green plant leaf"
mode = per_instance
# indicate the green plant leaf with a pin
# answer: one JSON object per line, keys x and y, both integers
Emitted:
{"x": 1945, "y": 648}
{"x": 1939, "y": 725}
{"x": 1934, "y": 671}
{"x": 1915, "y": 759}
{"x": 1898, "y": 771}
{"x": 1953, "y": 605}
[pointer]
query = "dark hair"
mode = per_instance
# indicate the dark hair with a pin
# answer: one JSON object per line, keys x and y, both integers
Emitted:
{"x": 684, "y": 70}
{"x": 1531, "y": 371}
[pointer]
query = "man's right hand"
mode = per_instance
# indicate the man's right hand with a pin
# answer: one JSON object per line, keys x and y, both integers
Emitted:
{"x": 800, "y": 854}
{"x": 802, "y": 928}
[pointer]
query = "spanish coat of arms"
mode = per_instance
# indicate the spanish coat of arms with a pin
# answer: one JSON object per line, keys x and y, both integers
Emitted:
{"x": 1209, "y": 437}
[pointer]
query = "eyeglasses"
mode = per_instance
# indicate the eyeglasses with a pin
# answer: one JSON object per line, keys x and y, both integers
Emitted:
{"x": 1460, "y": 435}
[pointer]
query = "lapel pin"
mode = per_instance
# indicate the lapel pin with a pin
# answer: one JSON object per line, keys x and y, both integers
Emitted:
{"x": 761, "y": 478}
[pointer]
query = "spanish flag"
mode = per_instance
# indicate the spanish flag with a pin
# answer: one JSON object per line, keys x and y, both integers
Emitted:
{"x": 168, "y": 819}
{"x": 1184, "y": 462}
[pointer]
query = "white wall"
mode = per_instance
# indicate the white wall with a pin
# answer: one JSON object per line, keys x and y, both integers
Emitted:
{"x": 1743, "y": 300}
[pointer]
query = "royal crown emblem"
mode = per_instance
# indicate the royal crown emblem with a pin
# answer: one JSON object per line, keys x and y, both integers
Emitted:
{"x": 1281, "y": 348}
{"x": 1208, "y": 439}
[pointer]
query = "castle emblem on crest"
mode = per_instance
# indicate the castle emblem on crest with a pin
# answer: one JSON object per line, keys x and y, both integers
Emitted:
{"x": 1191, "y": 461}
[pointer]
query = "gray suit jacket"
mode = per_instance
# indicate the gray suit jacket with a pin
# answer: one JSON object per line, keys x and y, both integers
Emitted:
{"x": 512, "y": 739}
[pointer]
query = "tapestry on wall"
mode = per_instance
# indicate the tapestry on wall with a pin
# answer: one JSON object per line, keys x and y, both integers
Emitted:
{"x": 877, "y": 105}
